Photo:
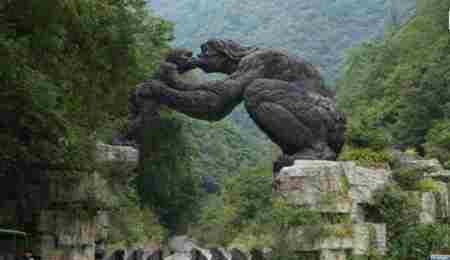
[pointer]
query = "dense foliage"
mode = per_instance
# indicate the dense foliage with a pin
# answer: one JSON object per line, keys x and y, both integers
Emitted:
{"x": 66, "y": 69}
{"x": 396, "y": 90}
{"x": 165, "y": 179}
{"x": 246, "y": 215}
{"x": 407, "y": 237}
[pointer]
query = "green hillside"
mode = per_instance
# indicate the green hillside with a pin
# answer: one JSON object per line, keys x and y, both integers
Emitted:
{"x": 396, "y": 91}
{"x": 319, "y": 31}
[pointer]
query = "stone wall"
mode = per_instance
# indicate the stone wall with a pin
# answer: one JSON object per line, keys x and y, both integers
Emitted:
{"x": 346, "y": 190}
{"x": 75, "y": 216}
{"x": 63, "y": 212}
{"x": 338, "y": 189}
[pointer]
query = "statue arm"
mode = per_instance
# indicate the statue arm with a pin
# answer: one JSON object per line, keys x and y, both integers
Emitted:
{"x": 211, "y": 100}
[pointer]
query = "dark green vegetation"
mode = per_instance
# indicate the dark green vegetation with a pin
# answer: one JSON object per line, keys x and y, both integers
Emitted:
{"x": 66, "y": 69}
{"x": 407, "y": 237}
{"x": 397, "y": 91}
{"x": 246, "y": 215}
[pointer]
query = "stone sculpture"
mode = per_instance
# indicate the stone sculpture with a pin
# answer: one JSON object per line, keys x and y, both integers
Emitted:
{"x": 283, "y": 94}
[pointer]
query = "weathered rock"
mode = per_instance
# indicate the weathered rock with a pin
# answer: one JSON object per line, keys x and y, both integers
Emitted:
{"x": 317, "y": 238}
{"x": 115, "y": 153}
{"x": 369, "y": 237}
{"x": 315, "y": 184}
{"x": 428, "y": 212}
{"x": 179, "y": 256}
{"x": 335, "y": 187}
{"x": 340, "y": 188}
{"x": 181, "y": 244}
{"x": 432, "y": 165}
{"x": 67, "y": 234}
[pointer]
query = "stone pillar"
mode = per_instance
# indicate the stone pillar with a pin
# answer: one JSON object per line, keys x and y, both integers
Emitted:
{"x": 336, "y": 189}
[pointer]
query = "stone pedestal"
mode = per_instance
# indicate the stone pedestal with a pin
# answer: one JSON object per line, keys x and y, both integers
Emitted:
{"x": 67, "y": 235}
{"x": 339, "y": 189}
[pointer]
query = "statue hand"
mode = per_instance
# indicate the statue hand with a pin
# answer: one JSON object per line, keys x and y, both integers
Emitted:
{"x": 168, "y": 72}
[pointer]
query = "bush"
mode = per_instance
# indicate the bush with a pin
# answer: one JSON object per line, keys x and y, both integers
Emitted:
{"x": 429, "y": 185}
{"x": 363, "y": 134}
{"x": 408, "y": 178}
{"x": 165, "y": 181}
{"x": 246, "y": 215}
{"x": 438, "y": 142}
{"x": 419, "y": 241}
{"x": 399, "y": 210}
{"x": 367, "y": 157}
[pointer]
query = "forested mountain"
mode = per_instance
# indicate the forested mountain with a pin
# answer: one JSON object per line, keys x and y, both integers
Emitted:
{"x": 397, "y": 91}
{"x": 320, "y": 31}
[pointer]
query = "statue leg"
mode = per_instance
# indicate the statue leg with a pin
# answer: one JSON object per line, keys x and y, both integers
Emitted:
{"x": 283, "y": 111}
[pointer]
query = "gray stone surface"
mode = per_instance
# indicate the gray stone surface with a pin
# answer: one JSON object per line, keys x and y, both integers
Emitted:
{"x": 315, "y": 184}
{"x": 181, "y": 244}
{"x": 66, "y": 235}
{"x": 368, "y": 236}
{"x": 179, "y": 256}
{"x": 110, "y": 153}
{"x": 330, "y": 186}
{"x": 428, "y": 212}
{"x": 431, "y": 165}
{"x": 335, "y": 188}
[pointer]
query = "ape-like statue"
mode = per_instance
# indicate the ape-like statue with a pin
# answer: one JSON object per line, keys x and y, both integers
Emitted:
{"x": 283, "y": 94}
{"x": 141, "y": 105}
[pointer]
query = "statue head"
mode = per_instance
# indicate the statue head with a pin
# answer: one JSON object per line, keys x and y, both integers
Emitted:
{"x": 222, "y": 56}
{"x": 182, "y": 58}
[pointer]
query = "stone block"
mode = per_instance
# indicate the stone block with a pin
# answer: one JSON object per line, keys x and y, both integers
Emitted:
{"x": 317, "y": 238}
{"x": 365, "y": 181}
{"x": 66, "y": 235}
{"x": 432, "y": 165}
{"x": 315, "y": 184}
{"x": 334, "y": 187}
{"x": 369, "y": 237}
{"x": 111, "y": 153}
{"x": 428, "y": 208}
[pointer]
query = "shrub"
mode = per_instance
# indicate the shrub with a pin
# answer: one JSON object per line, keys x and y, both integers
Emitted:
{"x": 438, "y": 142}
{"x": 419, "y": 241}
{"x": 363, "y": 134}
{"x": 429, "y": 185}
{"x": 367, "y": 157}
{"x": 407, "y": 178}
{"x": 398, "y": 209}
